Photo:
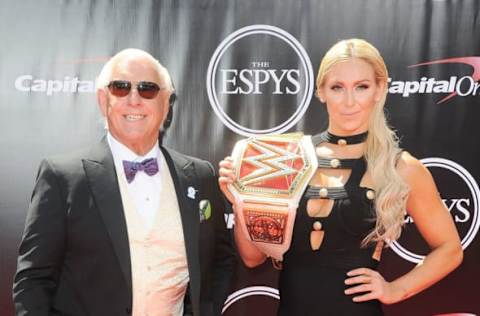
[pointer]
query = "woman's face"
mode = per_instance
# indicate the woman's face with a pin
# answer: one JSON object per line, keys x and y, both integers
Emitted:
{"x": 350, "y": 91}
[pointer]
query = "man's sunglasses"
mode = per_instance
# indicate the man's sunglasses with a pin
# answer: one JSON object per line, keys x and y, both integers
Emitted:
{"x": 121, "y": 88}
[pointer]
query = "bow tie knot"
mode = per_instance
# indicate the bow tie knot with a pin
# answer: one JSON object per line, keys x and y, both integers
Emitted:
{"x": 149, "y": 166}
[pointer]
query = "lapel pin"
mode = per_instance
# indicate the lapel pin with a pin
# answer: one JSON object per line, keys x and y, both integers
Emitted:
{"x": 191, "y": 192}
{"x": 205, "y": 209}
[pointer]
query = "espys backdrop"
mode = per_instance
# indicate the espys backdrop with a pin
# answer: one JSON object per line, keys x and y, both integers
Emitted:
{"x": 246, "y": 67}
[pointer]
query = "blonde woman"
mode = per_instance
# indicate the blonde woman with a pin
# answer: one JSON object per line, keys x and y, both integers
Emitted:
{"x": 356, "y": 200}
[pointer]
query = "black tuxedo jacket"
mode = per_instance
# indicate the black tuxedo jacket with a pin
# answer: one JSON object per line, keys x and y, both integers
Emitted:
{"x": 74, "y": 256}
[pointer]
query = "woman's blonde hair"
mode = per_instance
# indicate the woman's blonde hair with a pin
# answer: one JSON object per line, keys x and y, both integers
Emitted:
{"x": 381, "y": 147}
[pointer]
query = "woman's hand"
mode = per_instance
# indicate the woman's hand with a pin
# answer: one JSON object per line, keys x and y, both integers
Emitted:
{"x": 226, "y": 176}
{"x": 249, "y": 253}
{"x": 372, "y": 285}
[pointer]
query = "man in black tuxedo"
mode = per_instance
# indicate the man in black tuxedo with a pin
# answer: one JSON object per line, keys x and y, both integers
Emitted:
{"x": 127, "y": 226}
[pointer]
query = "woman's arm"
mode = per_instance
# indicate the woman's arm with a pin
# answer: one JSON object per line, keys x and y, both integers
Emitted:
{"x": 250, "y": 254}
{"x": 436, "y": 226}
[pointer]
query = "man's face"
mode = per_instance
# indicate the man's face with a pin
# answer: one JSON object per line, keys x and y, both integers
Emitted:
{"x": 133, "y": 120}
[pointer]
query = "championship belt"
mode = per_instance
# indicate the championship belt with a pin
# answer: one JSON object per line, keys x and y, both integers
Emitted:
{"x": 272, "y": 173}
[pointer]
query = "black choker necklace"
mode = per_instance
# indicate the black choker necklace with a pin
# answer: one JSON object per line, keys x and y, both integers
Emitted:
{"x": 345, "y": 140}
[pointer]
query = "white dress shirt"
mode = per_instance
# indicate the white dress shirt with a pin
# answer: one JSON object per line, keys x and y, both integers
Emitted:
{"x": 144, "y": 189}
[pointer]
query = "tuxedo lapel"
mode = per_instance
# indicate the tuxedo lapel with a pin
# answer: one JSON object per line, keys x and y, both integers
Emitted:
{"x": 102, "y": 179}
{"x": 183, "y": 176}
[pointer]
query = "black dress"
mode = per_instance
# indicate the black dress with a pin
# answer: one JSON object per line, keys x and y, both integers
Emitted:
{"x": 312, "y": 281}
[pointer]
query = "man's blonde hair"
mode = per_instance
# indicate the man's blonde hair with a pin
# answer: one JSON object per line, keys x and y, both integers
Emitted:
{"x": 105, "y": 75}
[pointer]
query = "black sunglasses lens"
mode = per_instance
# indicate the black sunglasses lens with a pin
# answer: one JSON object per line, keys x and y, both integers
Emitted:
{"x": 119, "y": 88}
{"x": 148, "y": 90}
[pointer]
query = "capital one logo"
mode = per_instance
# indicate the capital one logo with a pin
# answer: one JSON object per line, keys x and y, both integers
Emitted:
{"x": 460, "y": 194}
{"x": 260, "y": 80}
{"x": 463, "y": 86}
{"x": 28, "y": 83}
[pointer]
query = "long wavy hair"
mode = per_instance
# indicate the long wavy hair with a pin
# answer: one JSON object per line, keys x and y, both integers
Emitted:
{"x": 381, "y": 147}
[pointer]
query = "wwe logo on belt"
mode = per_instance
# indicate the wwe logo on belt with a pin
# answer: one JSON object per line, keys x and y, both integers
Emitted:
{"x": 270, "y": 163}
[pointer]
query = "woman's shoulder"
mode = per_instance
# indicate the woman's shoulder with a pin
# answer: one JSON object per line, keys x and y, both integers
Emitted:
{"x": 411, "y": 169}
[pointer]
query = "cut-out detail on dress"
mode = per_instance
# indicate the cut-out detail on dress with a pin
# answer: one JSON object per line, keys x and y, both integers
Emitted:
{"x": 377, "y": 253}
{"x": 316, "y": 239}
{"x": 319, "y": 208}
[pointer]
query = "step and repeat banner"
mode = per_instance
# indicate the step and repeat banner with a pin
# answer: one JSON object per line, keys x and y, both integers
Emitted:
{"x": 243, "y": 68}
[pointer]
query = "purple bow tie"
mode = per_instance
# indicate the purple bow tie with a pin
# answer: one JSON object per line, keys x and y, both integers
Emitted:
{"x": 149, "y": 166}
